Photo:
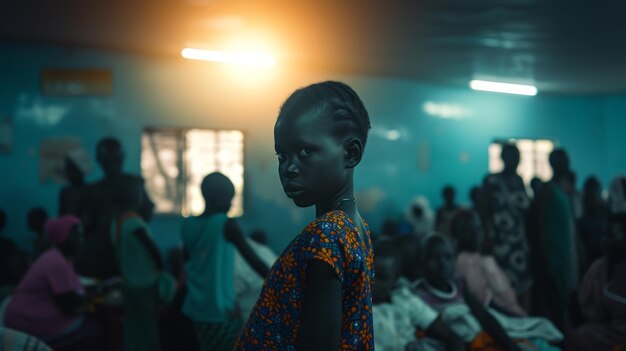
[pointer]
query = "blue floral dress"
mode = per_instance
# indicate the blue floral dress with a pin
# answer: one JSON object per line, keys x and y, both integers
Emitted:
{"x": 333, "y": 238}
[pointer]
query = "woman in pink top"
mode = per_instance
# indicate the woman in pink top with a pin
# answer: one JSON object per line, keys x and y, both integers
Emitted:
{"x": 484, "y": 278}
{"x": 48, "y": 302}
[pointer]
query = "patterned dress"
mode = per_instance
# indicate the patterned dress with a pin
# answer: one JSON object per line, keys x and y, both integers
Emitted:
{"x": 508, "y": 203}
{"x": 334, "y": 239}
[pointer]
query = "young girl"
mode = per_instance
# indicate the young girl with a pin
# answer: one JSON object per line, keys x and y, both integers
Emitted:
{"x": 317, "y": 296}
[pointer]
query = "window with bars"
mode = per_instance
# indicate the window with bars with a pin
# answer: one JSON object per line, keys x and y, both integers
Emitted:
{"x": 534, "y": 155}
{"x": 175, "y": 160}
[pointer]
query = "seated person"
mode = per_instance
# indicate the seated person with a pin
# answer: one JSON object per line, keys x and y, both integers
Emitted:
{"x": 48, "y": 302}
{"x": 603, "y": 301}
{"x": 481, "y": 273}
{"x": 399, "y": 314}
{"x": 476, "y": 324}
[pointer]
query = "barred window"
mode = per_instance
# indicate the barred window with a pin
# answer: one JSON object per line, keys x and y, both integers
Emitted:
{"x": 175, "y": 160}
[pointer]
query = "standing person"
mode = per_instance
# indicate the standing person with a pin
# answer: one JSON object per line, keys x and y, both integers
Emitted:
{"x": 318, "y": 295}
{"x": 447, "y": 211}
{"x": 209, "y": 241}
{"x": 141, "y": 265}
{"x": 98, "y": 259}
{"x": 505, "y": 203}
{"x": 553, "y": 243}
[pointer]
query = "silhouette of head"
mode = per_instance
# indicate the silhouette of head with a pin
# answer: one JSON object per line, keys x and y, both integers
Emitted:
{"x": 467, "y": 230}
{"x": 66, "y": 233}
{"x": 475, "y": 195}
{"x": 449, "y": 194}
{"x": 110, "y": 157}
{"x": 36, "y": 219}
{"x": 592, "y": 195}
{"x": 536, "y": 185}
{"x": 218, "y": 192}
{"x": 559, "y": 161}
{"x": 319, "y": 137}
{"x": 510, "y": 157}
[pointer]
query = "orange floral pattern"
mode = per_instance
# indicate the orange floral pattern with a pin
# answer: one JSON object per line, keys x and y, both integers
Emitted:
{"x": 333, "y": 238}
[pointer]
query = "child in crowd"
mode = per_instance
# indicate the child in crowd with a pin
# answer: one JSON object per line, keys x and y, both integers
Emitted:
{"x": 481, "y": 273}
{"x": 399, "y": 315}
{"x": 445, "y": 212}
{"x": 48, "y": 303}
{"x": 141, "y": 265}
{"x": 317, "y": 296}
{"x": 481, "y": 327}
{"x": 209, "y": 241}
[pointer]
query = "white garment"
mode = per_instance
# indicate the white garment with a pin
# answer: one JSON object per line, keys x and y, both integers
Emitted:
{"x": 248, "y": 283}
{"x": 395, "y": 323}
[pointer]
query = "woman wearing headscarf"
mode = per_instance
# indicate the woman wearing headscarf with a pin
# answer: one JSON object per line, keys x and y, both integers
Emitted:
{"x": 48, "y": 302}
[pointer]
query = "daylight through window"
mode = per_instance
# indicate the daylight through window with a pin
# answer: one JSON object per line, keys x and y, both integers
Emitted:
{"x": 174, "y": 162}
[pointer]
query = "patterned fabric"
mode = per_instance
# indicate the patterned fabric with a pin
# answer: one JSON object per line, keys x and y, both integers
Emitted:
{"x": 508, "y": 203}
{"x": 217, "y": 336}
{"x": 332, "y": 238}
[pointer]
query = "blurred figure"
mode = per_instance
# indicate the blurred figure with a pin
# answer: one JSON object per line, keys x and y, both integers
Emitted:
{"x": 13, "y": 340}
{"x": 553, "y": 243}
{"x": 480, "y": 272}
{"x": 98, "y": 259}
{"x": 602, "y": 297}
{"x": 479, "y": 326}
{"x": 141, "y": 265}
{"x": 535, "y": 185}
{"x": 592, "y": 224}
{"x": 420, "y": 216}
{"x": 210, "y": 241}
{"x": 475, "y": 197}
{"x": 617, "y": 195}
{"x": 445, "y": 212}
{"x": 48, "y": 303}
{"x": 399, "y": 315}
{"x": 36, "y": 220}
{"x": 248, "y": 283}
{"x": 71, "y": 197}
{"x": 505, "y": 203}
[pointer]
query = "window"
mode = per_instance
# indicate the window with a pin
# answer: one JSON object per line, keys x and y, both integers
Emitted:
{"x": 174, "y": 161}
{"x": 534, "y": 154}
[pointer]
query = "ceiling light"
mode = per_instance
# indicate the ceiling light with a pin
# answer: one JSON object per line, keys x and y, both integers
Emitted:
{"x": 506, "y": 88}
{"x": 239, "y": 58}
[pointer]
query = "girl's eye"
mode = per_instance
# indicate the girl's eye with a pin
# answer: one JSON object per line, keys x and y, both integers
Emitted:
{"x": 305, "y": 152}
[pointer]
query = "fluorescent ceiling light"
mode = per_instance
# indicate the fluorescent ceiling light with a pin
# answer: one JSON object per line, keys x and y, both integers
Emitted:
{"x": 506, "y": 88}
{"x": 240, "y": 58}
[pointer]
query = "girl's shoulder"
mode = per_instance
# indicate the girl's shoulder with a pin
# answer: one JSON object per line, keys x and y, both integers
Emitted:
{"x": 332, "y": 224}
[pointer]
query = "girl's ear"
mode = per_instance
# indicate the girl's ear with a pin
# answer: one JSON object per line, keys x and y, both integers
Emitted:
{"x": 354, "y": 152}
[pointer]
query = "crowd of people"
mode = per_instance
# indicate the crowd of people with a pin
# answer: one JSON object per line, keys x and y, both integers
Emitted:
{"x": 538, "y": 268}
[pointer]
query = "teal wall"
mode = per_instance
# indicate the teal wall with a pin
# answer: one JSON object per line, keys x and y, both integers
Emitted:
{"x": 150, "y": 91}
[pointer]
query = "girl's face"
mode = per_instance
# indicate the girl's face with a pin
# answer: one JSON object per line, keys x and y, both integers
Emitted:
{"x": 311, "y": 160}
